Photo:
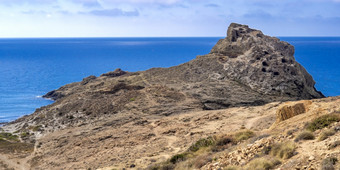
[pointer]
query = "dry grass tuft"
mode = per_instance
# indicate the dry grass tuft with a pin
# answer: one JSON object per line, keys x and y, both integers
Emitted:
{"x": 306, "y": 135}
{"x": 325, "y": 134}
{"x": 283, "y": 150}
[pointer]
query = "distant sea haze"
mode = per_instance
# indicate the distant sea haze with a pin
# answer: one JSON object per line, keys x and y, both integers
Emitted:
{"x": 30, "y": 68}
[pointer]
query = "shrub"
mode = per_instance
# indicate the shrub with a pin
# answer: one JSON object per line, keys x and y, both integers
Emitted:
{"x": 8, "y": 136}
{"x": 178, "y": 158}
{"x": 36, "y": 128}
{"x": 224, "y": 140}
{"x": 324, "y": 135}
{"x": 222, "y": 143}
{"x": 262, "y": 164}
{"x": 322, "y": 122}
{"x": 243, "y": 135}
{"x": 328, "y": 163}
{"x": 305, "y": 136}
{"x": 202, "y": 143}
{"x": 24, "y": 134}
{"x": 283, "y": 150}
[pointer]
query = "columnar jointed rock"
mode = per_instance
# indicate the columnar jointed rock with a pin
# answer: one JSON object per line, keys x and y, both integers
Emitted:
{"x": 263, "y": 63}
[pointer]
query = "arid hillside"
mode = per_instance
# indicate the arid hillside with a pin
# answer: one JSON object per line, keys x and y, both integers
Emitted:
{"x": 206, "y": 109}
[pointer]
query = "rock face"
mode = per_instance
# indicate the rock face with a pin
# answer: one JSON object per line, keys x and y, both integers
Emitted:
{"x": 246, "y": 68}
{"x": 263, "y": 63}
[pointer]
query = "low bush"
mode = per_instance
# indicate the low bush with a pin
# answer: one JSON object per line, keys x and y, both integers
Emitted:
{"x": 328, "y": 163}
{"x": 222, "y": 143}
{"x": 8, "y": 136}
{"x": 325, "y": 134}
{"x": 262, "y": 164}
{"x": 205, "y": 142}
{"x": 283, "y": 150}
{"x": 24, "y": 134}
{"x": 304, "y": 136}
{"x": 178, "y": 158}
{"x": 322, "y": 122}
{"x": 243, "y": 135}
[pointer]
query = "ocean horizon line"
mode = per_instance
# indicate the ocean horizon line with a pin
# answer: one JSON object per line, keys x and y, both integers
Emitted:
{"x": 155, "y": 37}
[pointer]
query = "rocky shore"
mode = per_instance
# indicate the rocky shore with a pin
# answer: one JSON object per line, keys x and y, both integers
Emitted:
{"x": 226, "y": 109}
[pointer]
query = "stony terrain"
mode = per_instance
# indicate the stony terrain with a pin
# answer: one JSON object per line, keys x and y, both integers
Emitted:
{"x": 141, "y": 119}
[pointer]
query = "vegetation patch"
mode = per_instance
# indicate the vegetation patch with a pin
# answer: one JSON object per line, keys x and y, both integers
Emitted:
{"x": 8, "y": 136}
{"x": 15, "y": 147}
{"x": 205, "y": 142}
{"x": 24, "y": 134}
{"x": 200, "y": 152}
{"x": 178, "y": 158}
{"x": 306, "y": 135}
{"x": 322, "y": 122}
{"x": 283, "y": 150}
{"x": 325, "y": 134}
{"x": 328, "y": 163}
{"x": 35, "y": 128}
{"x": 243, "y": 135}
{"x": 262, "y": 164}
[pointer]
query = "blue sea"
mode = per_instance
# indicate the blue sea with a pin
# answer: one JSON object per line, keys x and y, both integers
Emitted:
{"x": 29, "y": 68}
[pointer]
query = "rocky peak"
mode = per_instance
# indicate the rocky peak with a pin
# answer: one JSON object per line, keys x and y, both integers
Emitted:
{"x": 237, "y": 30}
{"x": 263, "y": 63}
{"x": 116, "y": 73}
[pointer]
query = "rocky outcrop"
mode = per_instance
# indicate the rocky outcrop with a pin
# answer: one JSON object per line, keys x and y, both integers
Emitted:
{"x": 263, "y": 63}
{"x": 118, "y": 72}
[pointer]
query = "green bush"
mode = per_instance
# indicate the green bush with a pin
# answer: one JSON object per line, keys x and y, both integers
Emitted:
{"x": 8, "y": 136}
{"x": 202, "y": 143}
{"x": 24, "y": 134}
{"x": 243, "y": 135}
{"x": 178, "y": 158}
{"x": 305, "y": 136}
{"x": 322, "y": 122}
{"x": 328, "y": 163}
{"x": 324, "y": 135}
{"x": 283, "y": 150}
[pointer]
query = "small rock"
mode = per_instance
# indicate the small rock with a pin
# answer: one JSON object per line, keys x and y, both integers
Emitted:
{"x": 311, "y": 158}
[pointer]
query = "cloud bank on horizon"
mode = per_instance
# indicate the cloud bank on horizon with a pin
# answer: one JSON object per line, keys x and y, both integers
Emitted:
{"x": 162, "y": 18}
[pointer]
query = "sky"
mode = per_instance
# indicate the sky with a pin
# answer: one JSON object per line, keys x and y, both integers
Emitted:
{"x": 166, "y": 18}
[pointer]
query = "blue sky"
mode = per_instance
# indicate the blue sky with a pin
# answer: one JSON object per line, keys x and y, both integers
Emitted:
{"x": 166, "y": 18}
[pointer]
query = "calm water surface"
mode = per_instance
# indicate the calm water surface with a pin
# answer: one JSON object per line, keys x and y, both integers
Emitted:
{"x": 30, "y": 68}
